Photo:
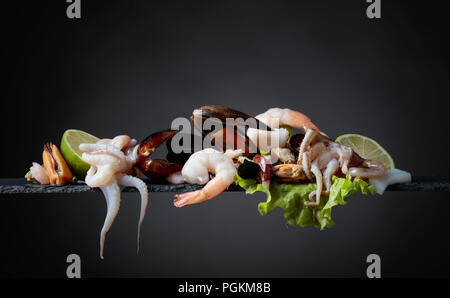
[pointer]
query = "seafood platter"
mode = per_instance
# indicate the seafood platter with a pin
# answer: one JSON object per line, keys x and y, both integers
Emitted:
{"x": 280, "y": 152}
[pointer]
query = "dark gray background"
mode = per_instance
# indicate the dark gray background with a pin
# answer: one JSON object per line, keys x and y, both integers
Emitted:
{"x": 132, "y": 66}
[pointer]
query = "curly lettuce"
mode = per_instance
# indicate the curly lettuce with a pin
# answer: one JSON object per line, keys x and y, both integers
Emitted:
{"x": 291, "y": 198}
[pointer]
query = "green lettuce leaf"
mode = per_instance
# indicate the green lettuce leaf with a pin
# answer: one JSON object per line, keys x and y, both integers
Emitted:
{"x": 291, "y": 198}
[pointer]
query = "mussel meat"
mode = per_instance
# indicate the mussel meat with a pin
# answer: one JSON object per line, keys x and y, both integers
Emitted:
{"x": 288, "y": 172}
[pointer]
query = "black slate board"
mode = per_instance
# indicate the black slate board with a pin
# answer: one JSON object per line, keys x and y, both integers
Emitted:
{"x": 22, "y": 186}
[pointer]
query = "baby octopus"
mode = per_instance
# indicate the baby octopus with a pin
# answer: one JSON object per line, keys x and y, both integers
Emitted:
{"x": 322, "y": 158}
{"x": 112, "y": 163}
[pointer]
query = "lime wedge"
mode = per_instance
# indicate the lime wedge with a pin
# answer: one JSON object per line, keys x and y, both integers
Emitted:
{"x": 70, "y": 142}
{"x": 367, "y": 148}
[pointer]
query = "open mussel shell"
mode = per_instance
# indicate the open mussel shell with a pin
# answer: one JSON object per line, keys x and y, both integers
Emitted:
{"x": 248, "y": 170}
{"x": 182, "y": 142}
{"x": 219, "y": 114}
{"x": 179, "y": 158}
{"x": 230, "y": 138}
{"x": 148, "y": 146}
{"x": 295, "y": 141}
{"x": 355, "y": 160}
{"x": 159, "y": 168}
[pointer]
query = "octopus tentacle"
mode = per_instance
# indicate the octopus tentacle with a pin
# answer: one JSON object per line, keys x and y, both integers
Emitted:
{"x": 120, "y": 141}
{"x": 127, "y": 180}
{"x": 111, "y": 161}
{"x": 368, "y": 169}
{"x": 112, "y": 196}
{"x": 102, "y": 149}
{"x": 99, "y": 176}
{"x": 100, "y": 145}
{"x": 307, "y": 140}
{"x": 324, "y": 159}
{"x": 332, "y": 167}
{"x": 306, "y": 164}
{"x": 319, "y": 180}
{"x": 345, "y": 154}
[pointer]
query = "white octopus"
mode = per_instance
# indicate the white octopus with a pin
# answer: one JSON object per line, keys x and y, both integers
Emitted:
{"x": 322, "y": 158}
{"x": 111, "y": 162}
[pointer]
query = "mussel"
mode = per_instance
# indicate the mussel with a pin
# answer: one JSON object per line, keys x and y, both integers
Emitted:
{"x": 355, "y": 160}
{"x": 222, "y": 113}
{"x": 217, "y": 111}
{"x": 295, "y": 141}
{"x": 248, "y": 170}
{"x": 288, "y": 172}
{"x": 156, "y": 168}
{"x": 187, "y": 148}
{"x": 218, "y": 115}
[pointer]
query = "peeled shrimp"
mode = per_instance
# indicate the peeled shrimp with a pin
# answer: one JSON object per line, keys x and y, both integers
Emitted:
{"x": 278, "y": 137}
{"x": 39, "y": 173}
{"x": 268, "y": 140}
{"x": 197, "y": 170}
{"x": 276, "y": 117}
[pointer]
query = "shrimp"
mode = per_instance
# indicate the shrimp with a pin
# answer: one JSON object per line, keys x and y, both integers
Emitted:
{"x": 268, "y": 140}
{"x": 278, "y": 137}
{"x": 39, "y": 173}
{"x": 197, "y": 169}
{"x": 275, "y": 117}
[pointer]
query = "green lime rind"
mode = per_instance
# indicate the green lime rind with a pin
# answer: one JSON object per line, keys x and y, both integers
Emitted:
{"x": 70, "y": 141}
{"x": 367, "y": 148}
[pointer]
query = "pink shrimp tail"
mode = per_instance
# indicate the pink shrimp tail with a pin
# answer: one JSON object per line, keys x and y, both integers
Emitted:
{"x": 188, "y": 198}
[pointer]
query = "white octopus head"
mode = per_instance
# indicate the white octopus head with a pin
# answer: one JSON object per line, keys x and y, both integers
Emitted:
{"x": 107, "y": 158}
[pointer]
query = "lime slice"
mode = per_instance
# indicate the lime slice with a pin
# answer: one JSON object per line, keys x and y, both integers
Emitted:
{"x": 367, "y": 148}
{"x": 70, "y": 142}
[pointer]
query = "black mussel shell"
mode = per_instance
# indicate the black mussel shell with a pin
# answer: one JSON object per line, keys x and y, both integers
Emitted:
{"x": 187, "y": 149}
{"x": 248, "y": 170}
{"x": 295, "y": 141}
{"x": 179, "y": 158}
{"x": 221, "y": 112}
{"x": 355, "y": 160}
